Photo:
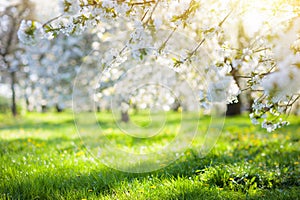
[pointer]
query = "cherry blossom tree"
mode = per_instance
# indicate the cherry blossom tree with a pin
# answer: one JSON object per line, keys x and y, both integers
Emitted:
{"x": 235, "y": 55}
{"x": 51, "y": 68}
{"x": 11, "y": 14}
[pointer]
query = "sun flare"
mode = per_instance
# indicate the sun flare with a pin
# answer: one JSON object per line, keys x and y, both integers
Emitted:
{"x": 266, "y": 12}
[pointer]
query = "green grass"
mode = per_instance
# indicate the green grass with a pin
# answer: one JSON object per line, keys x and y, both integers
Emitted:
{"x": 42, "y": 157}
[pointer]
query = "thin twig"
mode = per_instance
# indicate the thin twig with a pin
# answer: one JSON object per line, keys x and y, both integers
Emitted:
{"x": 154, "y": 8}
{"x": 204, "y": 39}
{"x": 291, "y": 104}
{"x": 142, "y": 3}
{"x": 259, "y": 50}
{"x": 53, "y": 19}
{"x": 168, "y": 38}
{"x": 197, "y": 48}
{"x": 243, "y": 76}
{"x": 145, "y": 14}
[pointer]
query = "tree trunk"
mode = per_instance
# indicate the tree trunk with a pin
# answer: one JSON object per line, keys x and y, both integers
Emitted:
{"x": 124, "y": 116}
{"x": 13, "y": 91}
{"x": 98, "y": 109}
{"x": 44, "y": 108}
{"x": 176, "y": 105}
{"x": 28, "y": 109}
{"x": 234, "y": 109}
{"x": 250, "y": 102}
{"x": 58, "y": 108}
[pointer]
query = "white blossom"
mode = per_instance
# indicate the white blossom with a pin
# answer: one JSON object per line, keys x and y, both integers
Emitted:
{"x": 281, "y": 84}
{"x": 30, "y": 32}
{"x": 224, "y": 90}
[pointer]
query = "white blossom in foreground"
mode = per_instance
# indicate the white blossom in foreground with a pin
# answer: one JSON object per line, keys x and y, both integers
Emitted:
{"x": 30, "y": 32}
{"x": 224, "y": 90}
{"x": 281, "y": 84}
{"x": 238, "y": 46}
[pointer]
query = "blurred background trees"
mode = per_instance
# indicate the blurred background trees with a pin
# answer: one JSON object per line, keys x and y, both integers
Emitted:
{"x": 11, "y": 62}
{"x": 234, "y": 47}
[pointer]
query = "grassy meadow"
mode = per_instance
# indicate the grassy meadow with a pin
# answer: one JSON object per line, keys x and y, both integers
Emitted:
{"x": 42, "y": 157}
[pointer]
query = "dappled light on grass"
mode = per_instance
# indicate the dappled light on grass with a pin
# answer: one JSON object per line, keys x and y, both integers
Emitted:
{"x": 247, "y": 162}
{"x": 136, "y": 147}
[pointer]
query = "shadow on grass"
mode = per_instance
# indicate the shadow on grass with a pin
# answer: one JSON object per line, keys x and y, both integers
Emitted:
{"x": 104, "y": 181}
{"x": 277, "y": 168}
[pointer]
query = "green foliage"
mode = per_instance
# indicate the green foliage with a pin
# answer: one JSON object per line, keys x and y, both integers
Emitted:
{"x": 67, "y": 6}
{"x": 41, "y": 157}
{"x": 194, "y": 5}
{"x": 30, "y": 30}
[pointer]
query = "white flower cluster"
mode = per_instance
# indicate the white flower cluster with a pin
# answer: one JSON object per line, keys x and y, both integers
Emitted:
{"x": 140, "y": 41}
{"x": 232, "y": 52}
{"x": 119, "y": 8}
{"x": 267, "y": 113}
{"x": 51, "y": 66}
{"x": 112, "y": 58}
{"x": 280, "y": 89}
{"x": 224, "y": 90}
{"x": 69, "y": 6}
{"x": 281, "y": 84}
{"x": 30, "y": 32}
{"x": 270, "y": 126}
